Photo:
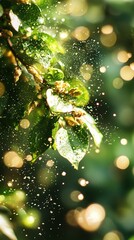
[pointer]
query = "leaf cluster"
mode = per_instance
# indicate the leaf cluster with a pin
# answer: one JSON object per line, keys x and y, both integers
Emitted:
{"x": 40, "y": 106}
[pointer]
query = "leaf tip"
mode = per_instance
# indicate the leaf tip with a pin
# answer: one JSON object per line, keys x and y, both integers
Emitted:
{"x": 75, "y": 165}
{"x": 98, "y": 139}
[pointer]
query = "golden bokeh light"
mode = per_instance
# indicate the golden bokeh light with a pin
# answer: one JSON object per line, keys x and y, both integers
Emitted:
{"x": 81, "y": 220}
{"x": 127, "y": 73}
{"x": 122, "y": 162}
{"x": 64, "y": 173}
{"x": 80, "y": 197}
{"x": 107, "y": 29}
{"x": 13, "y": 160}
{"x": 129, "y": 54}
{"x": 29, "y": 158}
{"x": 123, "y": 141}
{"x": 76, "y": 196}
{"x": 91, "y": 218}
{"x": 2, "y": 89}
{"x": 132, "y": 66}
{"x": 118, "y": 83}
{"x": 122, "y": 56}
{"x": 10, "y": 184}
{"x": 108, "y": 40}
{"x": 50, "y": 163}
{"x": 86, "y": 71}
{"x": 95, "y": 213}
{"x": 76, "y": 8}
{"x": 71, "y": 218}
{"x": 112, "y": 236}
{"x": 24, "y": 123}
{"x": 83, "y": 182}
{"x": 81, "y": 33}
{"x": 63, "y": 35}
{"x": 103, "y": 69}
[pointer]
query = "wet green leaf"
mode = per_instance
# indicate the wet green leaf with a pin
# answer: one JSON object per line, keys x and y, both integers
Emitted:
{"x": 51, "y": 42}
{"x": 27, "y": 13}
{"x": 57, "y": 104}
{"x": 39, "y": 104}
{"x": 32, "y": 50}
{"x": 91, "y": 125}
{"x": 39, "y": 136}
{"x": 53, "y": 75}
{"x": 72, "y": 143}
{"x": 34, "y": 130}
{"x": 26, "y": 76}
{"x": 74, "y": 90}
{"x": 78, "y": 92}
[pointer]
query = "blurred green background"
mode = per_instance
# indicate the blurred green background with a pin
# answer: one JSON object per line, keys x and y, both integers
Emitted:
{"x": 97, "y": 201}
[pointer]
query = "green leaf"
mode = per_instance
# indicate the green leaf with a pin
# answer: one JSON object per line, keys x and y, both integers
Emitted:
{"x": 91, "y": 125}
{"x": 53, "y": 75}
{"x": 26, "y": 76}
{"x": 72, "y": 143}
{"x": 32, "y": 50}
{"x": 57, "y": 104}
{"x": 27, "y": 13}
{"x": 131, "y": 238}
{"x": 38, "y": 48}
{"x": 6, "y": 227}
{"x": 78, "y": 91}
{"x": 1, "y": 10}
{"x": 15, "y": 21}
{"x": 51, "y": 42}
{"x": 54, "y": 131}
{"x": 74, "y": 91}
{"x": 34, "y": 130}
{"x": 38, "y": 137}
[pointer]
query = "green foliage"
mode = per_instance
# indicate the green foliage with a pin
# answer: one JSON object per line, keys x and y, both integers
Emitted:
{"x": 39, "y": 103}
{"x": 51, "y": 185}
{"x": 15, "y": 201}
{"x": 72, "y": 143}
